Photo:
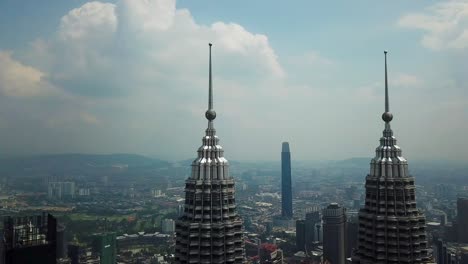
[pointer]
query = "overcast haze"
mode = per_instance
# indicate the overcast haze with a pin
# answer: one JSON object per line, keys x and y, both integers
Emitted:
{"x": 132, "y": 76}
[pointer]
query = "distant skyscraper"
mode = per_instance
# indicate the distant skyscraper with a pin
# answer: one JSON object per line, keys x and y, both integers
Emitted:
{"x": 334, "y": 234}
{"x": 391, "y": 228}
{"x": 462, "y": 219}
{"x": 210, "y": 230}
{"x": 286, "y": 187}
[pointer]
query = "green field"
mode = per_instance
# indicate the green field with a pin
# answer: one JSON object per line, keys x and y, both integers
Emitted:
{"x": 87, "y": 217}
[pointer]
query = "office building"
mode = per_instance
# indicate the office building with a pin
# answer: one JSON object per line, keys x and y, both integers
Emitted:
{"x": 29, "y": 239}
{"x": 168, "y": 226}
{"x": 462, "y": 219}
{"x": 334, "y": 234}
{"x": 300, "y": 235}
{"x": 61, "y": 241}
{"x": 391, "y": 228}
{"x": 210, "y": 230}
{"x": 105, "y": 246}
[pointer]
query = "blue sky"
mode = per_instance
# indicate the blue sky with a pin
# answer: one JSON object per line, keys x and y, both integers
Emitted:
{"x": 131, "y": 76}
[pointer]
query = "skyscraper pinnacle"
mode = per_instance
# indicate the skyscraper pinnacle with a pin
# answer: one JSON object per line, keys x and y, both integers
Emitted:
{"x": 210, "y": 229}
{"x": 391, "y": 228}
{"x": 210, "y": 113}
{"x": 386, "y": 116}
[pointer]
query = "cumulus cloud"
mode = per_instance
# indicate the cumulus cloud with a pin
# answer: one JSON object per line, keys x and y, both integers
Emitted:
{"x": 139, "y": 67}
{"x": 103, "y": 49}
{"x": 445, "y": 25}
{"x": 18, "y": 79}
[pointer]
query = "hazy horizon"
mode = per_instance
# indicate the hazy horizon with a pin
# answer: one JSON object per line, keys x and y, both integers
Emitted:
{"x": 131, "y": 76}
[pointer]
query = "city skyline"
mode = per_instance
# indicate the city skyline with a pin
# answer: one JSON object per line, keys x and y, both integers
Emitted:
{"x": 122, "y": 76}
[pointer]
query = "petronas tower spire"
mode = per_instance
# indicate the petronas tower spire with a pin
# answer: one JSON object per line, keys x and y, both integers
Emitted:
{"x": 391, "y": 228}
{"x": 210, "y": 229}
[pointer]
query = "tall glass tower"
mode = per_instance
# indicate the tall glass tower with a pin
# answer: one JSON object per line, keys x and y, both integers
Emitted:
{"x": 286, "y": 187}
{"x": 210, "y": 230}
{"x": 391, "y": 228}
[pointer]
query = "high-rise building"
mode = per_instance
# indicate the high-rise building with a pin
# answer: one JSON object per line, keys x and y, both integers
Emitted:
{"x": 61, "y": 241}
{"x": 300, "y": 235}
{"x": 462, "y": 219}
{"x": 334, "y": 234}
{"x": 29, "y": 239}
{"x": 306, "y": 230}
{"x": 168, "y": 226}
{"x": 286, "y": 187}
{"x": 352, "y": 229}
{"x": 391, "y": 228}
{"x": 105, "y": 246}
{"x": 60, "y": 190}
{"x": 210, "y": 230}
{"x": 312, "y": 219}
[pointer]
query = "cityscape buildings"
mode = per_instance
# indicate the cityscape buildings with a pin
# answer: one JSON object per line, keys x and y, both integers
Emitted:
{"x": 286, "y": 186}
{"x": 334, "y": 234}
{"x": 210, "y": 230}
{"x": 59, "y": 190}
{"x": 391, "y": 228}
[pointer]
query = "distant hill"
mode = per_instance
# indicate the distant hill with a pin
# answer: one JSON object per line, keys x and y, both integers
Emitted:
{"x": 67, "y": 162}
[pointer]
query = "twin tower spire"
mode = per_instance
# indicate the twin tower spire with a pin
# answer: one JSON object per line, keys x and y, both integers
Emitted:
{"x": 210, "y": 114}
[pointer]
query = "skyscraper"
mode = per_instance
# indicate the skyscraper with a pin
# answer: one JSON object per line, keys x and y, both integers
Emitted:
{"x": 105, "y": 245}
{"x": 312, "y": 219}
{"x": 300, "y": 235}
{"x": 391, "y": 228}
{"x": 210, "y": 230}
{"x": 334, "y": 234}
{"x": 286, "y": 188}
{"x": 29, "y": 239}
{"x": 462, "y": 219}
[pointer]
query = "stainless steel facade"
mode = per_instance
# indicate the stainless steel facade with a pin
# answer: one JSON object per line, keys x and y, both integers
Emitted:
{"x": 391, "y": 228}
{"x": 286, "y": 186}
{"x": 210, "y": 229}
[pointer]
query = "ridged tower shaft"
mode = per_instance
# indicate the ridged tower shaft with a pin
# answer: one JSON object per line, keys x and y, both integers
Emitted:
{"x": 210, "y": 230}
{"x": 391, "y": 228}
{"x": 286, "y": 186}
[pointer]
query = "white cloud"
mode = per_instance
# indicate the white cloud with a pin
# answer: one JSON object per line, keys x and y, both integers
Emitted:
{"x": 139, "y": 66}
{"x": 17, "y": 79}
{"x": 148, "y": 15}
{"x": 94, "y": 21}
{"x": 445, "y": 25}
